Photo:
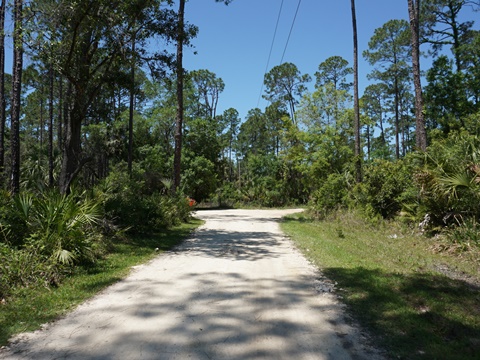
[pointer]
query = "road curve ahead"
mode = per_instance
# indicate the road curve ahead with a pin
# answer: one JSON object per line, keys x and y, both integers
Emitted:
{"x": 237, "y": 289}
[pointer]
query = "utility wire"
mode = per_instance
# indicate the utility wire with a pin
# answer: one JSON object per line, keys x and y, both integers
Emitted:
{"x": 271, "y": 48}
{"x": 290, "y": 33}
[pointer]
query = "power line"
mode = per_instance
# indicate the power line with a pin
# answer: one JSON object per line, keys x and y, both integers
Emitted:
{"x": 271, "y": 48}
{"x": 290, "y": 33}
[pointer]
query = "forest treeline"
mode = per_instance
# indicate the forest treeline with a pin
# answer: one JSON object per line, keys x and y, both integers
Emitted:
{"x": 88, "y": 131}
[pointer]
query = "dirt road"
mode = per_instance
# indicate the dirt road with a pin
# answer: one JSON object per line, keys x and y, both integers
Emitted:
{"x": 237, "y": 289}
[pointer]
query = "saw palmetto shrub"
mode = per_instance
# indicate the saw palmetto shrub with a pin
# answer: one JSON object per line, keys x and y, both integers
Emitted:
{"x": 44, "y": 235}
{"x": 62, "y": 228}
{"x": 448, "y": 181}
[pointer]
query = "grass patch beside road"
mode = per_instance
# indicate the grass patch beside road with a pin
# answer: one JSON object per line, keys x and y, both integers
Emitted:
{"x": 28, "y": 308}
{"x": 396, "y": 286}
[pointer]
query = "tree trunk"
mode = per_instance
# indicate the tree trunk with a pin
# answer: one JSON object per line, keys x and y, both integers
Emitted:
{"x": 42, "y": 124}
{"x": 420, "y": 133}
{"x": 60, "y": 114}
{"x": 179, "y": 119}
{"x": 2, "y": 86}
{"x": 356, "y": 122}
{"x": 397, "y": 118}
{"x": 131, "y": 110}
{"x": 72, "y": 149}
{"x": 368, "y": 142}
{"x": 16, "y": 95}
{"x": 50, "y": 128}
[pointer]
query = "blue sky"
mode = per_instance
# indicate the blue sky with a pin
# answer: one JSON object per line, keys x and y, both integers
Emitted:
{"x": 234, "y": 41}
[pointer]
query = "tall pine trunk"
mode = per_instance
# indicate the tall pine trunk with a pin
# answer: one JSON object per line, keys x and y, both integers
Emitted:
{"x": 420, "y": 133}
{"x": 356, "y": 122}
{"x": 2, "y": 86}
{"x": 397, "y": 118}
{"x": 131, "y": 106}
{"x": 16, "y": 95}
{"x": 50, "y": 126}
{"x": 179, "y": 119}
{"x": 60, "y": 114}
{"x": 72, "y": 161}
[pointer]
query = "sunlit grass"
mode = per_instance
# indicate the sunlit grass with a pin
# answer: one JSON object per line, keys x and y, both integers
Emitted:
{"x": 27, "y": 309}
{"x": 388, "y": 276}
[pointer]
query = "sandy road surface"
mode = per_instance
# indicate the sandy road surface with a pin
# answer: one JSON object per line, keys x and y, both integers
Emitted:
{"x": 237, "y": 289}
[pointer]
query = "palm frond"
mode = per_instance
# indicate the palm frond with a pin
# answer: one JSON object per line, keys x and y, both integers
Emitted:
{"x": 450, "y": 184}
{"x": 24, "y": 204}
{"x": 64, "y": 256}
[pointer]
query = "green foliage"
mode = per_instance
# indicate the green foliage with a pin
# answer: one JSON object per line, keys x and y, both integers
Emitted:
{"x": 228, "y": 195}
{"x": 464, "y": 235}
{"x": 44, "y": 234}
{"x": 285, "y": 83}
{"x": 199, "y": 178}
{"x": 329, "y": 152}
{"x": 332, "y": 194}
{"x": 133, "y": 205}
{"x": 267, "y": 180}
{"x": 63, "y": 228}
{"x": 386, "y": 186}
{"x": 449, "y": 179}
{"x": 446, "y": 98}
{"x": 24, "y": 268}
{"x": 334, "y": 70}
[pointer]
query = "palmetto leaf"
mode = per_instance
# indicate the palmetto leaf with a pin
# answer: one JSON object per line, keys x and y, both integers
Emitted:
{"x": 64, "y": 256}
{"x": 450, "y": 184}
{"x": 24, "y": 203}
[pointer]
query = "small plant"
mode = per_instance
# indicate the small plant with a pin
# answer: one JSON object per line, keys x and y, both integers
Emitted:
{"x": 340, "y": 233}
{"x": 465, "y": 235}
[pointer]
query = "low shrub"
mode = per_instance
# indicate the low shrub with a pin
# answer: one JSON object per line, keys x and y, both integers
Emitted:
{"x": 20, "y": 268}
{"x": 465, "y": 235}
{"x": 141, "y": 209}
{"x": 448, "y": 180}
{"x": 62, "y": 228}
{"x": 385, "y": 188}
{"x": 44, "y": 235}
{"x": 330, "y": 196}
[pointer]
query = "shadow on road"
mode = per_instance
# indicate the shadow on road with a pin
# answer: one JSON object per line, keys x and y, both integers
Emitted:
{"x": 250, "y": 246}
{"x": 224, "y": 316}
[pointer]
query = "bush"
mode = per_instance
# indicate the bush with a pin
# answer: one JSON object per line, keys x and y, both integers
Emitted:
{"x": 228, "y": 195}
{"x": 141, "y": 209}
{"x": 24, "y": 268}
{"x": 199, "y": 178}
{"x": 386, "y": 186}
{"x": 62, "y": 228}
{"x": 465, "y": 235}
{"x": 331, "y": 195}
{"x": 449, "y": 179}
{"x": 44, "y": 234}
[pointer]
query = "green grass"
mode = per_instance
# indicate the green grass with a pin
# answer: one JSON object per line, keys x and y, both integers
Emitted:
{"x": 28, "y": 308}
{"x": 390, "y": 281}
